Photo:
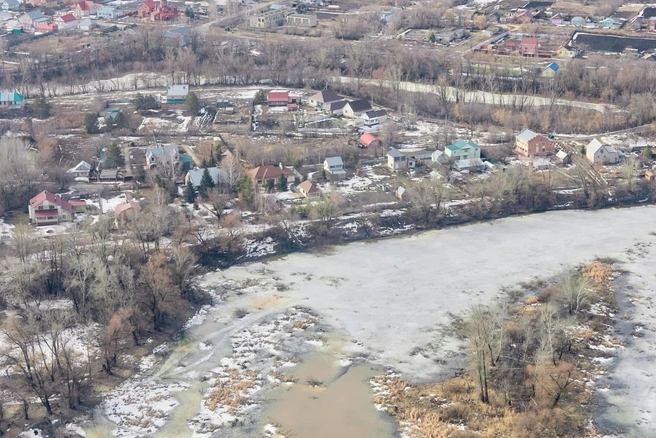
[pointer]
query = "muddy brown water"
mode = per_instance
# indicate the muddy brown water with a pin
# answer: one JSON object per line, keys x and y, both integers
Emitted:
{"x": 329, "y": 401}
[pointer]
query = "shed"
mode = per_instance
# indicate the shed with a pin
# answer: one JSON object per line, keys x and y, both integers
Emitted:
{"x": 563, "y": 157}
{"x": 469, "y": 165}
{"x": 308, "y": 189}
{"x": 368, "y": 140}
{"x": 278, "y": 98}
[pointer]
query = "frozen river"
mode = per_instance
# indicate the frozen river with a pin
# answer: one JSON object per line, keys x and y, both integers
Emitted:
{"x": 390, "y": 299}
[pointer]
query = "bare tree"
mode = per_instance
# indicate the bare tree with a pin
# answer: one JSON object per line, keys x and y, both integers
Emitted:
{"x": 575, "y": 291}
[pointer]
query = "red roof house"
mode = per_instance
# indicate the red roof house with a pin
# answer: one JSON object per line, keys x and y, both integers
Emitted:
{"x": 45, "y": 27}
{"x": 278, "y": 98}
{"x": 49, "y": 209}
{"x": 262, "y": 174}
{"x": 84, "y": 8}
{"x": 369, "y": 140}
{"x": 162, "y": 12}
{"x": 63, "y": 19}
{"x": 529, "y": 46}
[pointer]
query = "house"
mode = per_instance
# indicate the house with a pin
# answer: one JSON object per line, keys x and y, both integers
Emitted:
{"x": 10, "y": 5}
{"x": 32, "y": 18}
{"x": 462, "y": 150}
{"x": 334, "y": 166}
{"x": 612, "y": 23}
{"x": 598, "y": 152}
{"x": 87, "y": 24}
{"x": 84, "y": 8}
{"x": 108, "y": 175}
{"x": 161, "y": 153}
{"x": 154, "y": 12}
{"x": 374, "y": 117}
{"x": 146, "y": 8}
{"x": 540, "y": 163}
{"x": 304, "y": 20}
{"x": 439, "y": 157}
{"x": 268, "y": 172}
{"x": 79, "y": 205}
{"x": 81, "y": 170}
{"x": 322, "y": 99}
{"x": 111, "y": 113}
{"x": 368, "y": 140}
{"x": 567, "y": 52}
{"x": 528, "y": 143}
{"x": 523, "y": 17}
{"x": 14, "y": 26}
{"x": 417, "y": 154}
{"x": 336, "y": 108}
{"x": 196, "y": 175}
{"x": 356, "y": 108}
{"x": 528, "y": 46}
{"x": 175, "y": 94}
{"x": 550, "y": 70}
{"x": 110, "y": 12}
{"x": 49, "y": 209}
{"x": 124, "y": 211}
{"x": 469, "y": 165}
{"x": 66, "y": 21}
{"x": 563, "y": 157}
{"x": 11, "y": 100}
{"x": 650, "y": 175}
{"x": 398, "y": 161}
{"x": 307, "y": 189}
{"x": 278, "y": 98}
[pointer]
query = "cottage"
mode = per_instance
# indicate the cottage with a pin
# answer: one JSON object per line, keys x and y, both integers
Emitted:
{"x": 146, "y": 8}
{"x": 398, "y": 161}
{"x": 401, "y": 194}
{"x": 87, "y": 24}
{"x": 567, "y": 52}
{"x": 523, "y": 17}
{"x": 462, "y": 150}
{"x": 307, "y": 189}
{"x": 368, "y": 140}
{"x": 125, "y": 211}
{"x": 334, "y": 166}
{"x": 469, "y": 165}
{"x": 14, "y": 26}
{"x": 176, "y": 94}
{"x": 32, "y": 18}
{"x": 49, "y": 209}
{"x": 550, "y": 70}
{"x": 11, "y": 100}
{"x": 107, "y": 175}
{"x": 10, "y": 5}
{"x": 268, "y": 172}
{"x": 66, "y": 21}
{"x": 195, "y": 176}
{"x": 356, "y": 108}
{"x": 84, "y": 9}
{"x": 278, "y": 98}
{"x": 563, "y": 157}
{"x": 110, "y": 12}
{"x": 374, "y": 117}
{"x": 528, "y": 143}
{"x": 81, "y": 170}
{"x": 322, "y": 99}
{"x": 598, "y": 152}
{"x": 557, "y": 20}
{"x": 336, "y": 108}
{"x": 79, "y": 205}
{"x": 529, "y": 46}
{"x": 160, "y": 154}
{"x": 439, "y": 157}
{"x": 650, "y": 175}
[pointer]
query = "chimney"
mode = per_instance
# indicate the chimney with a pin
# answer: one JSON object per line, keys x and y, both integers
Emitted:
{"x": 280, "y": 165}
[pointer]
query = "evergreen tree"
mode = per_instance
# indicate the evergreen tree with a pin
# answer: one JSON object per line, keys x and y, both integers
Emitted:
{"x": 245, "y": 189}
{"x": 647, "y": 153}
{"x": 260, "y": 98}
{"x": 41, "y": 107}
{"x": 189, "y": 192}
{"x": 193, "y": 105}
{"x": 114, "y": 156}
{"x": 206, "y": 183}
{"x": 91, "y": 123}
{"x": 282, "y": 183}
{"x": 270, "y": 185}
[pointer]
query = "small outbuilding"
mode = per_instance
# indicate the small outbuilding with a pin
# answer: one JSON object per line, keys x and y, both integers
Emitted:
{"x": 308, "y": 189}
{"x": 368, "y": 140}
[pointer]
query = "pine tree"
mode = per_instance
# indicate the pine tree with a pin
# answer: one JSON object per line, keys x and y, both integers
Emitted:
{"x": 282, "y": 183}
{"x": 206, "y": 183}
{"x": 189, "y": 192}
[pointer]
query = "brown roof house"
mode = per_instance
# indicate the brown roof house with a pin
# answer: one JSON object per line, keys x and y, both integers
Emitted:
{"x": 49, "y": 209}
{"x": 307, "y": 189}
{"x": 124, "y": 210}
{"x": 323, "y": 99}
{"x": 263, "y": 174}
{"x": 529, "y": 144}
{"x": 368, "y": 140}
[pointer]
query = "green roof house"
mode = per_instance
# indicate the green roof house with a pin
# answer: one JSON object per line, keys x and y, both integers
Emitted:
{"x": 11, "y": 100}
{"x": 462, "y": 150}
